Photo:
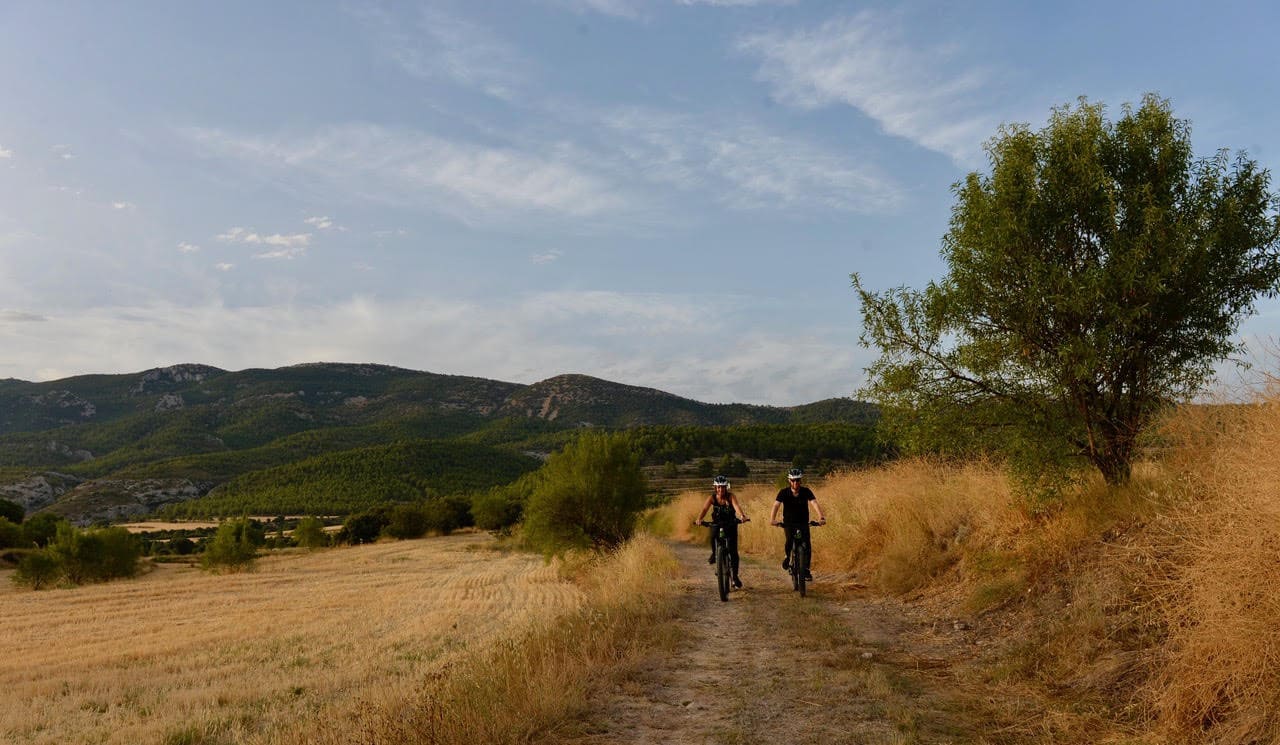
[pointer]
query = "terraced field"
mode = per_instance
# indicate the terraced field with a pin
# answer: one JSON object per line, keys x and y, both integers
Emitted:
{"x": 181, "y": 656}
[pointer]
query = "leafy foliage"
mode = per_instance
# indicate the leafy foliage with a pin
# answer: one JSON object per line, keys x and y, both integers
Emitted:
{"x": 233, "y": 548}
{"x": 309, "y": 533}
{"x": 352, "y": 480}
{"x": 587, "y": 495}
{"x": 1096, "y": 274}
{"x": 95, "y": 555}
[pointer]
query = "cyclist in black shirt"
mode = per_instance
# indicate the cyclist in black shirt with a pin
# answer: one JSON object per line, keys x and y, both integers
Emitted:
{"x": 794, "y": 501}
{"x": 725, "y": 513}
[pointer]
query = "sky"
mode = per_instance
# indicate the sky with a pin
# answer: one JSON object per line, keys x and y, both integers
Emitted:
{"x": 665, "y": 193}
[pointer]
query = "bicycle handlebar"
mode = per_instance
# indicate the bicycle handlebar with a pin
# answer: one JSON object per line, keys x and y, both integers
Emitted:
{"x": 799, "y": 525}
{"x": 708, "y": 524}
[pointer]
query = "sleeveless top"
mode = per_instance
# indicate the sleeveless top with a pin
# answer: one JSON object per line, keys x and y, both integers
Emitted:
{"x": 723, "y": 514}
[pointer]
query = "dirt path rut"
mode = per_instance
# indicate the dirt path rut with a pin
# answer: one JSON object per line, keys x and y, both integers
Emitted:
{"x": 768, "y": 666}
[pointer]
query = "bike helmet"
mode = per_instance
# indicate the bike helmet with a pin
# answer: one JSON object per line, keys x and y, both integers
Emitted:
{"x": 720, "y": 481}
{"x": 795, "y": 474}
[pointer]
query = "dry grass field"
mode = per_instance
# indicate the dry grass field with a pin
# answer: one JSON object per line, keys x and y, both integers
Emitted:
{"x": 182, "y": 656}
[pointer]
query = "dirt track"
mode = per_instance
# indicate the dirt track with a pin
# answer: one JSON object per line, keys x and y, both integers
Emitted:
{"x": 768, "y": 666}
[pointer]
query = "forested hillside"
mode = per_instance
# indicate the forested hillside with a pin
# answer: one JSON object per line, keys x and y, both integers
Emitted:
{"x": 337, "y": 437}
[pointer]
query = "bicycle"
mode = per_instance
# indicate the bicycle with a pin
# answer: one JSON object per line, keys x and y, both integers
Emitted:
{"x": 724, "y": 566}
{"x": 798, "y": 559}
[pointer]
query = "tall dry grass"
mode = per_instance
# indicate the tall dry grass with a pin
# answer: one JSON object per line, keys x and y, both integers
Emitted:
{"x": 896, "y": 526}
{"x": 1218, "y": 678}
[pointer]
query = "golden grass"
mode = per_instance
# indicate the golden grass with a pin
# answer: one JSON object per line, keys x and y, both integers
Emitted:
{"x": 1219, "y": 678}
{"x": 181, "y": 656}
{"x": 537, "y": 681}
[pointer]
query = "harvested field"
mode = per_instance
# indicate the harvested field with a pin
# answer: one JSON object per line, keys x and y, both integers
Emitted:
{"x": 180, "y": 655}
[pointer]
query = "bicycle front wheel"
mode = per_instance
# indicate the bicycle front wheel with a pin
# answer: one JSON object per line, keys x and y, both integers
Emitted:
{"x": 722, "y": 572}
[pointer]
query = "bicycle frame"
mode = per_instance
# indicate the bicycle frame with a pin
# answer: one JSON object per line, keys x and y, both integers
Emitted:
{"x": 800, "y": 554}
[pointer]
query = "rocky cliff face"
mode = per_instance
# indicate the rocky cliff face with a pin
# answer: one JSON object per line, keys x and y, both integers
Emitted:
{"x": 39, "y": 491}
{"x": 123, "y": 499}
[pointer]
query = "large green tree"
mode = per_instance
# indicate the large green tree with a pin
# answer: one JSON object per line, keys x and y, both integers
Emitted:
{"x": 1096, "y": 274}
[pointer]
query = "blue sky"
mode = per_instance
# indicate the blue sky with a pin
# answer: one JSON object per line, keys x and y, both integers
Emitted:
{"x": 669, "y": 193}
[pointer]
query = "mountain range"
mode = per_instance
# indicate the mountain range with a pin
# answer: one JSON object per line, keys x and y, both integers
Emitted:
{"x": 97, "y": 447}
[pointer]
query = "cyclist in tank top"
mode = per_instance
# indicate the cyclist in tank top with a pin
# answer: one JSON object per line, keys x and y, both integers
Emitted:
{"x": 725, "y": 513}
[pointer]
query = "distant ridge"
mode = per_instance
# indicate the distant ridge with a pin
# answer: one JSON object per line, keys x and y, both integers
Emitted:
{"x": 107, "y": 447}
{"x": 341, "y": 388}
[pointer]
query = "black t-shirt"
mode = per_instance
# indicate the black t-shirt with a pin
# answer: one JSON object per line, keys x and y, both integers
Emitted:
{"x": 723, "y": 514}
{"x": 795, "y": 507}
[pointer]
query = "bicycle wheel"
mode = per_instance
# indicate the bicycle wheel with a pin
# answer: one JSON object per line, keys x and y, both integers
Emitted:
{"x": 803, "y": 554}
{"x": 796, "y": 574}
{"x": 722, "y": 571}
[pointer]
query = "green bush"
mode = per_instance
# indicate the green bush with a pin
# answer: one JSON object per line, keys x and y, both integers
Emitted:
{"x": 41, "y": 528}
{"x": 182, "y": 546}
{"x": 12, "y": 511}
{"x": 502, "y": 506}
{"x": 309, "y": 533}
{"x": 363, "y": 527}
{"x": 12, "y": 536}
{"x": 95, "y": 555}
{"x": 37, "y": 570}
{"x": 232, "y": 548}
{"x": 587, "y": 495}
{"x": 407, "y": 521}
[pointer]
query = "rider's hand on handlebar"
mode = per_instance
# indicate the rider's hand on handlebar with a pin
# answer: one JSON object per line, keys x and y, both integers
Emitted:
{"x": 775, "y": 522}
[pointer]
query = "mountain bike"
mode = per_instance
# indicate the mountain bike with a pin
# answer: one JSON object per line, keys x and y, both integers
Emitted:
{"x": 724, "y": 562}
{"x": 798, "y": 559}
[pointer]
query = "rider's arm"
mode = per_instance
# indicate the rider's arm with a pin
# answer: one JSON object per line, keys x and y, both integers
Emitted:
{"x": 818, "y": 507}
{"x": 737, "y": 508}
{"x": 773, "y": 518}
{"x": 705, "y": 506}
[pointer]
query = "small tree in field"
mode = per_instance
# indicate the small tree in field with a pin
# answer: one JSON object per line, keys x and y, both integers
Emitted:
{"x": 38, "y": 570}
{"x": 1094, "y": 276}
{"x": 587, "y": 495}
{"x": 231, "y": 548}
{"x": 309, "y": 533}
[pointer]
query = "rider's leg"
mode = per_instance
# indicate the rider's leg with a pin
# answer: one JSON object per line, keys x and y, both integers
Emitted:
{"x": 786, "y": 552}
{"x": 732, "y": 535}
{"x": 712, "y": 534}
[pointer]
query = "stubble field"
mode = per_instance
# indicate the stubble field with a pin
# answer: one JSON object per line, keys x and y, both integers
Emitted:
{"x": 182, "y": 656}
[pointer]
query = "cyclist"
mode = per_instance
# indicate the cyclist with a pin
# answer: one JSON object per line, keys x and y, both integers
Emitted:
{"x": 794, "y": 500}
{"x": 725, "y": 513}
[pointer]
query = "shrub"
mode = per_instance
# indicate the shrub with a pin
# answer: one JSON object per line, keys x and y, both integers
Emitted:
{"x": 95, "y": 555}
{"x": 501, "y": 507}
{"x": 12, "y": 536}
{"x": 12, "y": 511}
{"x": 182, "y": 546}
{"x": 37, "y": 570}
{"x": 41, "y": 528}
{"x": 232, "y": 548}
{"x": 363, "y": 527}
{"x": 309, "y": 533}
{"x": 587, "y": 495}
{"x": 407, "y": 521}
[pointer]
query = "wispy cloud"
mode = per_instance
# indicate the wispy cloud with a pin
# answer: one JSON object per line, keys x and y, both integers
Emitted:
{"x": 247, "y": 235}
{"x": 546, "y": 257}
{"x": 287, "y": 252}
{"x": 127, "y": 206}
{"x": 409, "y": 168}
{"x": 63, "y": 151}
{"x": 322, "y": 223}
{"x": 18, "y": 316}
{"x": 431, "y": 44}
{"x": 5, "y": 152}
{"x": 746, "y": 167}
{"x": 187, "y": 248}
{"x": 224, "y": 266}
{"x": 928, "y": 95}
